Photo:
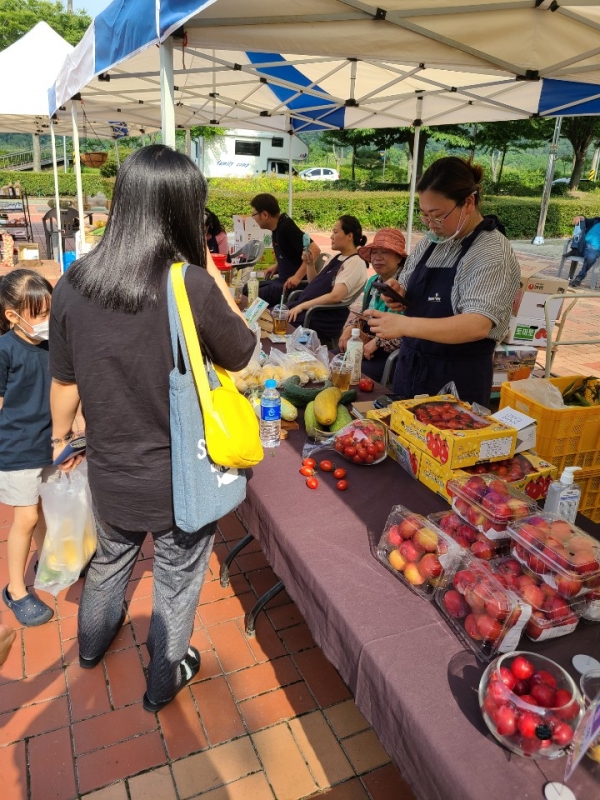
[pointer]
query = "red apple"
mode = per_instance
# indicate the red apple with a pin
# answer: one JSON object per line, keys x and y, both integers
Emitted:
{"x": 410, "y": 551}
{"x": 542, "y": 676}
{"x": 567, "y": 586}
{"x": 426, "y": 539}
{"x": 430, "y": 567}
{"x": 532, "y": 595}
{"x": 498, "y": 607}
{"x": 408, "y": 527}
{"x": 471, "y": 627}
{"x": 506, "y": 676}
{"x": 562, "y": 735}
{"x": 455, "y": 604}
{"x": 521, "y": 687}
{"x": 489, "y": 628}
{"x": 527, "y": 724}
{"x": 485, "y": 550}
{"x": 506, "y": 721}
{"x": 463, "y": 579}
{"x": 544, "y": 694}
{"x": 412, "y": 574}
{"x": 394, "y": 536}
{"x": 556, "y": 608}
{"x": 566, "y": 707}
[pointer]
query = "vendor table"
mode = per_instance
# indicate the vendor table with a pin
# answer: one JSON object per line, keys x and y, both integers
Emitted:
{"x": 409, "y": 674}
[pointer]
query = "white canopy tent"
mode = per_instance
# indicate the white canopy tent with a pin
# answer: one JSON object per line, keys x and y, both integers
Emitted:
{"x": 333, "y": 64}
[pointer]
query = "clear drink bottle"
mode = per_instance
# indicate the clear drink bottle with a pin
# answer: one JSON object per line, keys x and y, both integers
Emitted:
{"x": 270, "y": 415}
{"x": 354, "y": 350}
{"x": 252, "y": 288}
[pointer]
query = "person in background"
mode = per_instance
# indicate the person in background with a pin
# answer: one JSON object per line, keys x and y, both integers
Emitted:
{"x": 216, "y": 236}
{"x": 343, "y": 277}
{"x": 7, "y": 637}
{"x": 287, "y": 245}
{"x": 110, "y": 345}
{"x": 586, "y": 243}
{"x": 25, "y": 428}
{"x": 459, "y": 284}
{"x": 387, "y": 255}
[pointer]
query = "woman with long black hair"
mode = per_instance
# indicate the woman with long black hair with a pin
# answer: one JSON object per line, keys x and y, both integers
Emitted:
{"x": 110, "y": 347}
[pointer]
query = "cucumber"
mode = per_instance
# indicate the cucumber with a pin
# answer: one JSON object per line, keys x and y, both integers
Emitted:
{"x": 342, "y": 419}
{"x": 297, "y": 395}
{"x": 348, "y": 397}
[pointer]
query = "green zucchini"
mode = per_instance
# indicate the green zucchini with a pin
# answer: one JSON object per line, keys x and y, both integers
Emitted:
{"x": 348, "y": 397}
{"x": 298, "y": 395}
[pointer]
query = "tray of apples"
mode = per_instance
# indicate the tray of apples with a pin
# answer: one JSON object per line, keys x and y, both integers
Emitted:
{"x": 565, "y": 557}
{"x": 416, "y": 551}
{"x": 486, "y": 615}
{"x": 551, "y": 616}
{"x": 531, "y": 704}
{"x": 467, "y": 536}
{"x": 488, "y": 503}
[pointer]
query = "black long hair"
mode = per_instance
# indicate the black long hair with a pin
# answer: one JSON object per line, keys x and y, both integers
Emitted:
{"x": 155, "y": 218}
{"x": 23, "y": 290}
{"x": 212, "y": 223}
{"x": 351, "y": 225}
{"x": 454, "y": 177}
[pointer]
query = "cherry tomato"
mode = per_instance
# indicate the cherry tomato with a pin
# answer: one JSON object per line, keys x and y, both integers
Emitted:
{"x": 309, "y": 462}
{"x": 366, "y": 385}
{"x": 350, "y": 452}
{"x": 339, "y": 447}
{"x": 342, "y": 485}
{"x": 308, "y": 472}
{"x": 325, "y": 466}
{"x": 357, "y": 459}
{"x": 371, "y": 450}
{"x": 369, "y": 459}
{"x": 339, "y": 473}
{"x": 362, "y": 452}
{"x": 380, "y": 447}
{"x": 312, "y": 483}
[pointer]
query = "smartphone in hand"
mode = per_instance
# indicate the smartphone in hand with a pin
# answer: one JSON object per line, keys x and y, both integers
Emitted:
{"x": 392, "y": 294}
{"x": 76, "y": 447}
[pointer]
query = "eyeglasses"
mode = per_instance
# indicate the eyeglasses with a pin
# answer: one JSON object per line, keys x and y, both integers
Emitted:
{"x": 436, "y": 222}
{"x": 255, "y": 213}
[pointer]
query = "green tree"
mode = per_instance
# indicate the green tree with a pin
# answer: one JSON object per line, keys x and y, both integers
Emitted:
{"x": 349, "y": 138}
{"x": 18, "y": 17}
{"x": 384, "y": 138}
{"x": 498, "y": 138}
{"x": 580, "y": 131}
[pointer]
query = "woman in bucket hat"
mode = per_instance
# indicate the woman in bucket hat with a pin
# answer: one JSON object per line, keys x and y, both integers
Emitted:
{"x": 386, "y": 254}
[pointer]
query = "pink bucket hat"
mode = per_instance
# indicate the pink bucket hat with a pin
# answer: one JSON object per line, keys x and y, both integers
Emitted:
{"x": 385, "y": 239}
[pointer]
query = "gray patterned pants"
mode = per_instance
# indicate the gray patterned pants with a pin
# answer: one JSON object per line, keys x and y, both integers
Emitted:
{"x": 180, "y": 562}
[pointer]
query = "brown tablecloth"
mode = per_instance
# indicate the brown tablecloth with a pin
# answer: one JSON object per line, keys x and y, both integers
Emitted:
{"x": 409, "y": 674}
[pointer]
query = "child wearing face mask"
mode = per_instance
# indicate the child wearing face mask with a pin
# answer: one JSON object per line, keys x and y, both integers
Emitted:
{"x": 25, "y": 428}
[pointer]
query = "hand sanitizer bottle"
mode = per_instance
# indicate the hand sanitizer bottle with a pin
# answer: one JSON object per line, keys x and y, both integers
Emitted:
{"x": 564, "y": 496}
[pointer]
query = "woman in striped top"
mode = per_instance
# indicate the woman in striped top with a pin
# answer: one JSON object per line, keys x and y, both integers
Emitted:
{"x": 459, "y": 285}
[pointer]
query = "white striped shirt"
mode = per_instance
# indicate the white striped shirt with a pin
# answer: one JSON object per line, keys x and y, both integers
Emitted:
{"x": 487, "y": 277}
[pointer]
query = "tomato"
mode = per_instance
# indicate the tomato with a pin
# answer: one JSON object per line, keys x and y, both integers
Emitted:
{"x": 369, "y": 459}
{"x": 339, "y": 473}
{"x": 308, "y": 472}
{"x": 350, "y": 452}
{"x": 309, "y": 462}
{"x": 357, "y": 459}
{"x": 339, "y": 447}
{"x": 371, "y": 450}
{"x": 342, "y": 485}
{"x": 366, "y": 385}
{"x": 325, "y": 466}
{"x": 380, "y": 447}
{"x": 362, "y": 452}
{"x": 312, "y": 483}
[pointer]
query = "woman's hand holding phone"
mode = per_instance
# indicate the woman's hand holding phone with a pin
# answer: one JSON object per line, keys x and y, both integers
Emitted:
{"x": 392, "y": 294}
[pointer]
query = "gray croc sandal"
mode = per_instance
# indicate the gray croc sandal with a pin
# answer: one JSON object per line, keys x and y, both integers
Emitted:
{"x": 29, "y": 610}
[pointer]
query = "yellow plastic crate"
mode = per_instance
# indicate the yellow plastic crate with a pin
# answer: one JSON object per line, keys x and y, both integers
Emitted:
{"x": 565, "y": 436}
{"x": 589, "y": 505}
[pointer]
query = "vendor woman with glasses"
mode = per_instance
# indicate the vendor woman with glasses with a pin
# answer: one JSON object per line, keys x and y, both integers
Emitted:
{"x": 459, "y": 286}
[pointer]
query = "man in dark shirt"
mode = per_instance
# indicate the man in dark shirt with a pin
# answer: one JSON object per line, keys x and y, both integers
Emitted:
{"x": 287, "y": 244}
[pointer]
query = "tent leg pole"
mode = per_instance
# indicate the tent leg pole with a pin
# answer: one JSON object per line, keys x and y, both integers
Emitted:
{"x": 539, "y": 236}
{"x": 167, "y": 93}
{"x": 56, "y": 197}
{"x": 413, "y": 184}
{"x": 77, "y": 165}
{"x": 290, "y": 169}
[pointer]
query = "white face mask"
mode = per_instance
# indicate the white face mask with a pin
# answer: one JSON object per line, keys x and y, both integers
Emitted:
{"x": 439, "y": 238}
{"x": 40, "y": 332}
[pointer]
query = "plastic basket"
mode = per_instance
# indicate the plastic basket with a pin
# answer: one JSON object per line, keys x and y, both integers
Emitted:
{"x": 565, "y": 436}
{"x": 589, "y": 505}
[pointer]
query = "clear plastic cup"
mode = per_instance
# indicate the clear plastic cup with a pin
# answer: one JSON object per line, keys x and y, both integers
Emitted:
{"x": 590, "y": 689}
{"x": 341, "y": 372}
{"x": 280, "y": 314}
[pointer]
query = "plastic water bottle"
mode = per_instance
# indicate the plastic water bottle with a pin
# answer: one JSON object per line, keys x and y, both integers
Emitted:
{"x": 252, "y": 288}
{"x": 270, "y": 415}
{"x": 354, "y": 350}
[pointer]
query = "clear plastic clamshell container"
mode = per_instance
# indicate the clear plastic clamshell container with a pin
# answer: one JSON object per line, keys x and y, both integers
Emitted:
{"x": 488, "y": 503}
{"x": 560, "y": 553}
{"x": 488, "y": 617}
{"x": 416, "y": 551}
{"x": 480, "y": 545}
{"x": 552, "y": 616}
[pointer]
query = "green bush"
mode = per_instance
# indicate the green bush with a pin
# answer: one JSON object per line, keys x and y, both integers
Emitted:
{"x": 41, "y": 184}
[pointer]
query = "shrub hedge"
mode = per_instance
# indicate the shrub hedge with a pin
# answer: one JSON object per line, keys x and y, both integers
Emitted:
{"x": 41, "y": 184}
{"x": 317, "y": 208}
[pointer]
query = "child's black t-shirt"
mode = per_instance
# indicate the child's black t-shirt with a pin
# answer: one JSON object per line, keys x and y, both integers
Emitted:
{"x": 25, "y": 424}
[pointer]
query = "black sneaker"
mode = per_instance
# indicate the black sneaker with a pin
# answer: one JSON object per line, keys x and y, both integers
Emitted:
{"x": 190, "y": 666}
{"x": 575, "y": 282}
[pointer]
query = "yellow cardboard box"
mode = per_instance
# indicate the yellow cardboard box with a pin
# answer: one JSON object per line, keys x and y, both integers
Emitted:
{"x": 399, "y": 448}
{"x": 453, "y": 448}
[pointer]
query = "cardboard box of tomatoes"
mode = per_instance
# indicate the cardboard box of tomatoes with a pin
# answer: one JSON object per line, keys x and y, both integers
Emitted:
{"x": 449, "y": 432}
{"x": 525, "y": 471}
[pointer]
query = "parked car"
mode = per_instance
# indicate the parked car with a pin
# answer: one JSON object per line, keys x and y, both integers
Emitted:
{"x": 320, "y": 174}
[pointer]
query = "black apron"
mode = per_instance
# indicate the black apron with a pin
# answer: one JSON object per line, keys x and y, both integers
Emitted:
{"x": 327, "y": 324}
{"x": 212, "y": 244}
{"x": 425, "y": 367}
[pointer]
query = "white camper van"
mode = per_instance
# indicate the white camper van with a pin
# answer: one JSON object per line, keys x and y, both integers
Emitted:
{"x": 241, "y": 154}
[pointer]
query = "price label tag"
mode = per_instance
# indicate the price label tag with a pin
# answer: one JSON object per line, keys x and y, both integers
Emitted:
{"x": 495, "y": 448}
{"x": 586, "y": 733}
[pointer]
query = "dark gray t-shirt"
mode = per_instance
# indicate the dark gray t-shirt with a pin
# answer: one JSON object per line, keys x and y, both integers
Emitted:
{"x": 25, "y": 427}
{"x": 121, "y": 364}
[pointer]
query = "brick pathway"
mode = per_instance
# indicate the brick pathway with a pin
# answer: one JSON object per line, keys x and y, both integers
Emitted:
{"x": 265, "y": 718}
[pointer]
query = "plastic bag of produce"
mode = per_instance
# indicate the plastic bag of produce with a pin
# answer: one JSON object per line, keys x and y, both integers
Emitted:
{"x": 305, "y": 340}
{"x": 71, "y": 532}
{"x": 540, "y": 390}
